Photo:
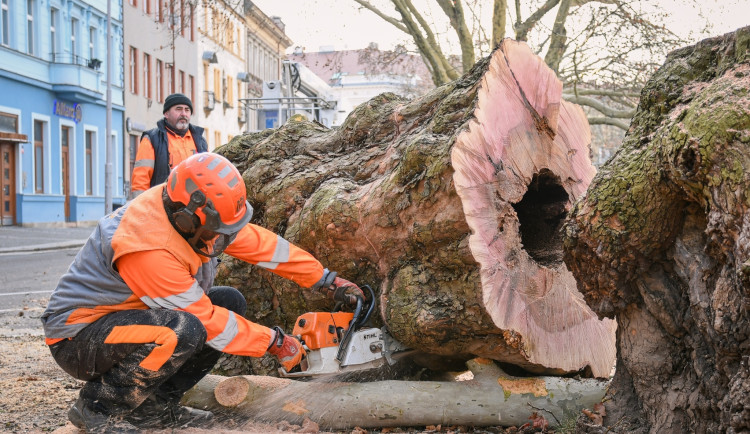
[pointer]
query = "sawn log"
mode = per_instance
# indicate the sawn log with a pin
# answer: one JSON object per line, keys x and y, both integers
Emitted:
{"x": 449, "y": 205}
{"x": 491, "y": 398}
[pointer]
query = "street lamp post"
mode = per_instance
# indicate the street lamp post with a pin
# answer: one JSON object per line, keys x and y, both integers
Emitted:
{"x": 108, "y": 126}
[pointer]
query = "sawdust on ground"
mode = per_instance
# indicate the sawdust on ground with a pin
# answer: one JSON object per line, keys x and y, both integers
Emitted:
{"x": 36, "y": 393}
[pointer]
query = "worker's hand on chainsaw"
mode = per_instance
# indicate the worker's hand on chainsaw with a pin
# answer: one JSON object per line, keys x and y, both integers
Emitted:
{"x": 287, "y": 349}
{"x": 348, "y": 286}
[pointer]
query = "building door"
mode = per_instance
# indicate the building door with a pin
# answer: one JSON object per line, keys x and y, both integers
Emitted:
{"x": 65, "y": 146}
{"x": 7, "y": 183}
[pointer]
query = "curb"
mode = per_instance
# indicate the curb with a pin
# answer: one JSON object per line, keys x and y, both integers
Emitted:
{"x": 43, "y": 247}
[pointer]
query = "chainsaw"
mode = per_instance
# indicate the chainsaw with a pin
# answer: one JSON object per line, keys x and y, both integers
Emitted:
{"x": 338, "y": 342}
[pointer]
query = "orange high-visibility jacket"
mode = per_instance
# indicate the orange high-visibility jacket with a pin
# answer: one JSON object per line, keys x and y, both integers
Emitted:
{"x": 135, "y": 259}
{"x": 178, "y": 148}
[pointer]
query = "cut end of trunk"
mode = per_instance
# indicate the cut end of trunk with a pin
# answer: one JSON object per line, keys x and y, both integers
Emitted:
{"x": 518, "y": 169}
{"x": 234, "y": 391}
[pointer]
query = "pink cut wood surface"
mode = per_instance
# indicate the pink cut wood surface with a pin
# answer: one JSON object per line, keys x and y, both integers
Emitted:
{"x": 523, "y": 133}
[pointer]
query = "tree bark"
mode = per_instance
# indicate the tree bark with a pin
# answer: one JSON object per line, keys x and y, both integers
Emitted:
{"x": 489, "y": 398}
{"x": 449, "y": 206}
{"x": 661, "y": 241}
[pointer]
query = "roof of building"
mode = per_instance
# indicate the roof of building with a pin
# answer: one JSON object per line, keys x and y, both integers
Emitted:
{"x": 331, "y": 66}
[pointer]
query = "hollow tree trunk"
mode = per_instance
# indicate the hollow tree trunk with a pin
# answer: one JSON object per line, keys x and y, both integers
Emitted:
{"x": 662, "y": 242}
{"x": 449, "y": 206}
{"x": 490, "y": 398}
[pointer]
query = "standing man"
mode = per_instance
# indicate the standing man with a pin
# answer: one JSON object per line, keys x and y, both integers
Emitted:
{"x": 137, "y": 317}
{"x": 164, "y": 147}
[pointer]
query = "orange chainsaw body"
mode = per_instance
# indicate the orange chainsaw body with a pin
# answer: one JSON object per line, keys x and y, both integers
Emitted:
{"x": 321, "y": 329}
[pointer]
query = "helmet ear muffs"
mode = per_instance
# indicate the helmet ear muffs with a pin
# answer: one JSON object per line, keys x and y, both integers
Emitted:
{"x": 185, "y": 218}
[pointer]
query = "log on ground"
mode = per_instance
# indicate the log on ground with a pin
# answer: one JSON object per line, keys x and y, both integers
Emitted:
{"x": 450, "y": 206}
{"x": 490, "y": 398}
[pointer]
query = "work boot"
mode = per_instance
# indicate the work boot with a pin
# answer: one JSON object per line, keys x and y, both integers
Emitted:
{"x": 157, "y": 412}
{"x": 83, "y": 417}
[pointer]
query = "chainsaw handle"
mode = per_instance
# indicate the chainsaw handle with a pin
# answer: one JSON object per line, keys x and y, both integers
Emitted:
{"x": 350, "y": 330}
{"x": 340, "y": 296}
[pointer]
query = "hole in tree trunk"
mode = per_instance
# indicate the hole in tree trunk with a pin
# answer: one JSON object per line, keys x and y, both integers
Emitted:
{"x": 540, "y": 214}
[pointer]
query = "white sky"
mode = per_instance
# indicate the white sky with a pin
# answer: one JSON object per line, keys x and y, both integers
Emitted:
{"x": 341, "y": 24}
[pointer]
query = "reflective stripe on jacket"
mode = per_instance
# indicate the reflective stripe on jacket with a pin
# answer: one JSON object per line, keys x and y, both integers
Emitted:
{"x": 136, "y": 260}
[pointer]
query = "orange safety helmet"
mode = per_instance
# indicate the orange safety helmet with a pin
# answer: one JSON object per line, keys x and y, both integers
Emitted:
{"x": 211, "y": 189}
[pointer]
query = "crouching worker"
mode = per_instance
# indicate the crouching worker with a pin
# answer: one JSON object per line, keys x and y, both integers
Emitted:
{"x": 137, "y": 317}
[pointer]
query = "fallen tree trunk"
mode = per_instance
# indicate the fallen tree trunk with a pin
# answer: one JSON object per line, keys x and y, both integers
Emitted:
{"x": 490, "y": 398}
{"x": 449, "y": 206}
{"x": 662, "y": 240}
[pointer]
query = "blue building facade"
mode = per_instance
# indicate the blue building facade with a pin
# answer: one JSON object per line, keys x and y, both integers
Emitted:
{"x": 53, "y": 138}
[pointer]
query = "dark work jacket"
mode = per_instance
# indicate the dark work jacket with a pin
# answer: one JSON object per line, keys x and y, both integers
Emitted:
{"x": 159, "y": 140}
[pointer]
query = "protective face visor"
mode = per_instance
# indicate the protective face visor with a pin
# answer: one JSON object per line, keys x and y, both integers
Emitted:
{"x": 213, "y": 236}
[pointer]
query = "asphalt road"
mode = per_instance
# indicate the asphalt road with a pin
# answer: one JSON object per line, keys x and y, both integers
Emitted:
{"x": 26, "y": 282}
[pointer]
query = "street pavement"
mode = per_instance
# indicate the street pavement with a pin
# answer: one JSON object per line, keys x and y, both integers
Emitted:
{"x": 15, "y": 239}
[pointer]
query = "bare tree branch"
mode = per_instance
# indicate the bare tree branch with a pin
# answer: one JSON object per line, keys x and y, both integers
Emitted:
{"x": 453, "y": 9}
{"x": 499, "y": 9}
{"x": 602, "y": 92}
{"x": 602, "y": 50}
{"x": 396, "y": 23}
{"x": 450, "y": 71}
{"x": 559, "y": 38}
{"x": 599, "y": 106}
{"x": 522, "y": 29}
{"x": 609, "y": 121}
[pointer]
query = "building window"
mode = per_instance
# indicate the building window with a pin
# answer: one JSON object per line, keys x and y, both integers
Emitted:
{"x": 147, "y": 7}
{"x": 133, "y": 71}
{"x": 5, "y": 22}
{"x": 170, "y": 78}
{"x": 159, "y": 11}
{"x": 172, "y": 14}
{"x": 133, "y": 3}
{"x": 30, "y": 26}
{"x": 65, "y": 132}
{"x": 73, "y": 42}
{"x": 129, "y": 163}
{"x": 230, "y": 91}
{"x": 89, "y": 163}
{"x": 190, "y": 19}
{"x": 53, "y": 14}
{"x": 8, "y": 123}
{"x": 217, "y": 84}
{"x": 146, "y": 75}
{"x": 159, "y": 81}
{"x": 217, "y": 138}
{"x": 182, "y": 82}
{"x": 38, "y": 156}
{"x": 183, "y": 21}
{"x": 263, "y": 68}
{"x": 239, "y": 41}
{"x": 92, "y": 43}
{"x": 191, "y": 87}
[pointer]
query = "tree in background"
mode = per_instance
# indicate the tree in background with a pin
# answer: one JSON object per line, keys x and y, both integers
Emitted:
{"x": 602, "y": 50}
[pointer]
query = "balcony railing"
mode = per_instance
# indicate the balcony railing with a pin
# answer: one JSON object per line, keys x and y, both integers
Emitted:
{"x": 72, "y": 59}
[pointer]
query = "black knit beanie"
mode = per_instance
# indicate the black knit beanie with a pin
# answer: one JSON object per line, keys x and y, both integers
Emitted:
{"x": 176, "y": 98}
